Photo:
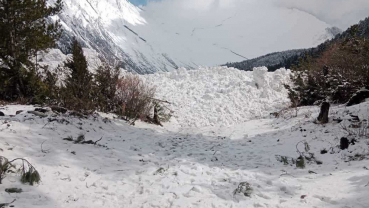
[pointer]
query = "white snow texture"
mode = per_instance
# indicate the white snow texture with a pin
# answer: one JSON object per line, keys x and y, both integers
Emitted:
{"x": 215, "y": 142}
{"x": 221, "y": 96}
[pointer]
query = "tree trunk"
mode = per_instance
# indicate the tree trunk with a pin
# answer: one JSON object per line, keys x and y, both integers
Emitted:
{"x": 324, "y": 112}
{"x": 344, "y": 143}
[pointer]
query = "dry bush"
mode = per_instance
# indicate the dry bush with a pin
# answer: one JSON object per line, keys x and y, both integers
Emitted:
{"x": 359, "y": 130}
{"x": 134, "y": 98}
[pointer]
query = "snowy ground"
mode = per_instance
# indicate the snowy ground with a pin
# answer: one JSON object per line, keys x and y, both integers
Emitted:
{"x": 184, "y": 165}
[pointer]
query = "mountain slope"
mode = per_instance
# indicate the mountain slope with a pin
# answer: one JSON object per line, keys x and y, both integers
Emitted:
{"x": 288, "y": 58}
{"x": 157, "y": 39}
{"x": 272, "y": 61}
{"x": 105, "y": 27}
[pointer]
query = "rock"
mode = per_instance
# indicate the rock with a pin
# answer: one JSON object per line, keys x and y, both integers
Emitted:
{"x": 359, "y": 97}
{"x": 275, "y": 114}
{"x": 338, "y": 120}
{"x": 88, "y": 142}
{"x": 2, "y": 114}
{"x": 344, "y": 143}
{"x": 68, "y": 139}
{"x": 18, "y": 112}
{"x": 243, "y": 188}
{"x": 77, "y": 114}
{"x": 42, "y": 110}
{"x": 59, "y": 109}
{"x": 13, "y": 190}
{"x": 36, "y": 113}
{"x": 324, "y": 112}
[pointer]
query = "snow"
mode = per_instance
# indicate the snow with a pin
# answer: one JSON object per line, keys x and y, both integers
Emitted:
{"x": 149, "y": 166}
{"x": 221, "y": 95}
{"x": 221, "y": 136}
{"x": 53, "y": 58}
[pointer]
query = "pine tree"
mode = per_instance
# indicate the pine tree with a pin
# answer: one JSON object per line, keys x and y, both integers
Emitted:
{"x": 25, "y": 30}
{"x": 106, "y": 80}
{"x": 78, "y": 92}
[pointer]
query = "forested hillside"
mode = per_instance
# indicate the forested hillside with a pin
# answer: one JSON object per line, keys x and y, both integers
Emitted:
{"x": 290, "y": 58}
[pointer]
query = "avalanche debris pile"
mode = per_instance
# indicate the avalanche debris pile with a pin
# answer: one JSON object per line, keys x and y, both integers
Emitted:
{"x": 221, "y": 95}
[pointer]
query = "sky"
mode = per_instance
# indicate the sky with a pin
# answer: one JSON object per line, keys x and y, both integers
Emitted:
{"x": 138, "y": 2}
{"x": 339, "y": 13}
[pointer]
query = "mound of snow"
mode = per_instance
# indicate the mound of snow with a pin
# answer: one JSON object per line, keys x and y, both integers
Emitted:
{"x": 220, "y": 95}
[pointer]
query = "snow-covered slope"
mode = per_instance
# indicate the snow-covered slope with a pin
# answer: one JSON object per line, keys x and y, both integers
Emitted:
{"x": 158, "y": 38}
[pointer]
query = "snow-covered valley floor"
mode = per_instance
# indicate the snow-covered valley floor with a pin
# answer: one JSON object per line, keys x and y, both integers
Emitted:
{"x": 147, "y": 166}
{"x": 186, "y": 163}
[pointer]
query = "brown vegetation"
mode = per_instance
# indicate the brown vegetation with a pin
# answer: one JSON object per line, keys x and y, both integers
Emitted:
{"x": 340, "y": 71}
{"x": 134, "y": 98}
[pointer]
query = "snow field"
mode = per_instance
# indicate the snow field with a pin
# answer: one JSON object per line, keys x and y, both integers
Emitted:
{"x": 147, "y": 166}
{"x": 221, "y": 135}
{"x": 220, "y": 96}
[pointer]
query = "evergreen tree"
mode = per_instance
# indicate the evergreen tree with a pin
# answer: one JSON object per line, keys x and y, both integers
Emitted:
{"x": 25, "y": 30}
{"x": 78, "y": 93}
{"x": 106, "y": 80}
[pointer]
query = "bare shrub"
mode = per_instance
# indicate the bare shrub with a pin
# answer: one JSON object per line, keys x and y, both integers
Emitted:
{"x": 306, "y": 157}
{"x": 134, "y": 98}
{"x": 360, "y": 129}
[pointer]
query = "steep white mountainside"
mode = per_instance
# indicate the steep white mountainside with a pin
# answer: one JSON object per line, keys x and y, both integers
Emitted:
{"x": 158, "y": 38}
{"x": 104, "y": 25}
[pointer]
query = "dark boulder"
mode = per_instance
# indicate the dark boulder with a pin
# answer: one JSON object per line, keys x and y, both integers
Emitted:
{"x": 42, "y": 110}
{"x": 36, "y": 113}
{"x": 2, "y": 114}
{"x": 59, "y": 109}
{"x": 359, "y": 97}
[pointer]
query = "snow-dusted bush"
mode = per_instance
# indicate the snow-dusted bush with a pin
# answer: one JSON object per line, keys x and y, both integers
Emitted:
{"x": 28, "y": 173}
